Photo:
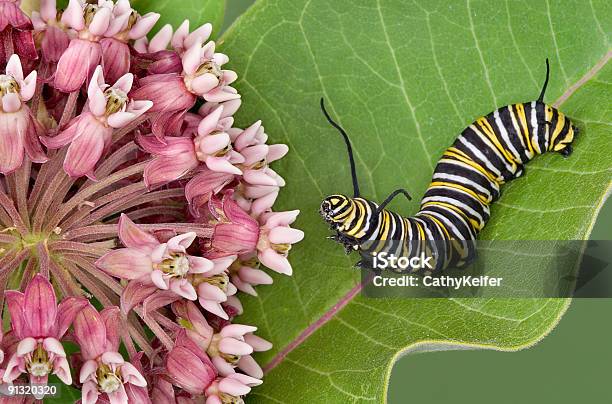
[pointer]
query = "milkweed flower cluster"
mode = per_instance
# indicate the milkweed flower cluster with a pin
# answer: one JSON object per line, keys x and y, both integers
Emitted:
{"x": 134, "y": 213}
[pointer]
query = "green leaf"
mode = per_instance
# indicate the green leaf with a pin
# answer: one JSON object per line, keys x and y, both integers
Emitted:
{"x": 175, "y": 12}
{"x": 66, "y": 394}
{"x": 404, "y": 78}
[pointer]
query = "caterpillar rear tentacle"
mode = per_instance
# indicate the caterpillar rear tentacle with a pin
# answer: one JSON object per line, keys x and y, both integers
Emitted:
{"x": 466, "y": 181}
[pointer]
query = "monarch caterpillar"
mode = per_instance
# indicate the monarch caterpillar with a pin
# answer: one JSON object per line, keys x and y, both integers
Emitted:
{"x": 467, "y": 179}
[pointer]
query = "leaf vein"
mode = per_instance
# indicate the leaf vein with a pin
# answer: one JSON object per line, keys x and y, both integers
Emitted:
{"x": 403, "y": 86}
{"x": 480, "y": 55}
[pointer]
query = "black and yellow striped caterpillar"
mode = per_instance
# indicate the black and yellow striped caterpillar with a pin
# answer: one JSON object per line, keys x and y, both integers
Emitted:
{"x": 467, "y": 179}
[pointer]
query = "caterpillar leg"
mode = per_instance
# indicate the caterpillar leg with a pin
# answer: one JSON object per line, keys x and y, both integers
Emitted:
{"x": 566, "y": 151}
{"x": 348, "y": 243}
{"x": 365, "y": 264}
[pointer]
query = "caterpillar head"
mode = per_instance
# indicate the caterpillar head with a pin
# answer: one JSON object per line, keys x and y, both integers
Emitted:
{"x": 334, "y": 208}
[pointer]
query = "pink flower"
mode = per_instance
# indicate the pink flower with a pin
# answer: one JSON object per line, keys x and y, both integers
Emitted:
{"x": 16, "y": 27}
{"x": 214, "y": 287}
{"x": 116, "y": 56}
{"x": 90, "y": 134}
{"x": 188, "y": 367}
{"x": 126, "y": 25}
{"x": 245, "y": 273}
{"x": 104, "y": 370}
{"x": 166, "y": 265}
{"x": 229, "y": 108}
{"x": 183, "y": 39}
{"x": 159, "y": 42}
{"x": 54, "y": 40}
{"x": 189, "y": 316}
{"x": 39, "y": 324}
{"x": 84, "y": 52}
{"x": 162, "y": 392}
{"x": 256, "y": 199}
{"x": 146, "y": 262}
{"x": 235, "y": 232}
{"x": 260, "y": 184}
{"x": 203, "y": 74}
{"x": 172, "y": 159}
{"x": 203, "y": 185}
{"x": 173, "y": 94}
{"x": 276, "y": 238}
{"x": 153, "y": 57}
{"x": 76, "y": 64}
{"x": 230, "y": 388}
{"x": 229, "y": 348}
{"x": 177, "y": 156}
{"x": 251, "y": 144}
{"x": 18, "y": 127}
{"x": 171, "y": 100}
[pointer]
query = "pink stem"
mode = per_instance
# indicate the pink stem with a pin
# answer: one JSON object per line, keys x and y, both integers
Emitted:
{"x": 125, "y": 337}
{"x": 8, "y": 239}
{"x": 130, "y": 127}
{"x": 11, "y": 186}
{"x": 7, "y": 258}
{"x": 8, "y": 263}
{"x": 62, "y": 190}
{"x": 28, "y": 273}
{"x": 40, "y": 85}
{"x": 81, "y": 248}
{"x": 64, "y": 280}
{"x": 165, "y": 321}
{"x": 142, "y": 341}
{"x": 49, "y": 195}
{"x": 177, "y": 213}
{"x": 75, "y": 263}
{"x": 126, "y": 153}
{"x": 88, "y": 191}
{"x": 3, "y": 284}
{"x": 157, "y": 330}
{"x": 131, "y": 201}
{"x": 82, "y": 277}
{"x": 5, "y": 219}
{"x": 49, "y": 168}
{"x": 22, "y": 182}
{"x": 69, "y": 109}
{"x": 98, "y": 230}
{"x": 8, "y": 206}
{"x": 44, "y": 259}
{"x": 93, "y": 271}
{"x": 120, "y": 194}
{"x": 204, "y": 231}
